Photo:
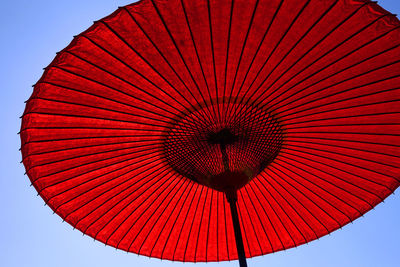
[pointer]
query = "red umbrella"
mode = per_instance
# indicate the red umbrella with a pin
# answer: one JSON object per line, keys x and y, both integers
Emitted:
{"x": 216, "y": 130}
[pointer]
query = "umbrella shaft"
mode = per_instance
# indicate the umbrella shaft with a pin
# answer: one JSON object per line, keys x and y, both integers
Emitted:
{"x": 225, "y": 159}
{"x": 238, "y": 233}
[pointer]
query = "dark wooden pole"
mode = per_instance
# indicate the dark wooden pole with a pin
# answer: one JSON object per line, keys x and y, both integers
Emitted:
{"x": 223, "y": 138}
{"x": 232, "y": 198}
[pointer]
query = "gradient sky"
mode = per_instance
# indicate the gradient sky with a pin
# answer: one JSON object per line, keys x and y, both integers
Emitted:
{"x": 30, "y": 235}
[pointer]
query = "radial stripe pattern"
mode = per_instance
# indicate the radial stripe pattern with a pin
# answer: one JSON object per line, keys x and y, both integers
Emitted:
{"x": 108, "y": 133}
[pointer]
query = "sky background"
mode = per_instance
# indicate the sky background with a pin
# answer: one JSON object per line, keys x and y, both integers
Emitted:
{"x": 30, "y": 235}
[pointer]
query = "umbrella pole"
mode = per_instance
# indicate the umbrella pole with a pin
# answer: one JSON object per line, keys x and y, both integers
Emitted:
{"x": 232, "y": 198}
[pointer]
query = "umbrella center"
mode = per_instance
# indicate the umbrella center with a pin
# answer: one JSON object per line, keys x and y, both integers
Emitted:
{"x": 223, "y": 137}
{"x": 223, "y": 146}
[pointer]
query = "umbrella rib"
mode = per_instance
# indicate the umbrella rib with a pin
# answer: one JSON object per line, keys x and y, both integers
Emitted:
{"x": 201, "y": 220}
{"x": 130, "y": 83}
{"x": 315, "y": 45}
{"x": 340, "y": 109}
{"x": 217, "y": 233}
{"x": 348, "y": 107}
{"x": 136, "y": 207}
{"x": 276, "y": 214}
{"x": 356, "y": 133}
{"x": 120, "y": 201}
{"x": 252, "y": 224}
{"x": 343, "y": 154}
{"x": 152, "y": 67}
{"x": 338, "y": 45}
{"x": 342, "y": 91}
{"x": 156, "y": 209}
{"x": 337, "y": 72}
{"x": 92, "y": 154}
{"x": 175, "y": 160}
{"x": 273, "y": 131}
{"x": 344, "y": 117}
{"x": 178, "y": 149}
{"x": 157, "y": 172}
{"x": 347, "y": 147}
{"x": 113, "y": 196}
{"x": 282, "y": 208}
{"x": 349, "y": 124}
{"x": 128, "y": 179}
{"x": 94, "y": 118}
{"x": 169, "y": 217}
{"x": 269, "y": 56}
{"x": 144, "y": 91}
{"x": 94, "y": 137}
{"x": 274, "y": 145}
{"x": 186, "y": 128}
{"x": 184, "y": 220}
{"x": 147, "y": 79}
{"x": 314, "y": 192}
{"x": 90, "y": 128}
{"x": 327, "y": 181}
{"x": 78, "y": 166}
{"x": 209, "y": 222}
{"x": 152, "y": 214}
{"x": 330, "y": 86}
{"x": 176, "y": 218}
{"x": 242, "y": 50}
{"x": 297, "y": 42}
{"x": 199, "y": 142}
{"x": 272, "y": 52}
{"x": 160, "y": 53}
{"x": 337, "y": 177}
{"x": 197, "y": 56}
{"x": 137, "y": 72}
{"x": 346, "y": 163}
{"x": 301, "y": 203}
{"x": 350, "y": 141}
{"x": 94, "y": 107}
{"x": 110, "y": 87}
{"x": 191, "y": 226}
{"x": 259, "y": 219}
{"x": 105, "y": 119}
{"x": 257, "y": 50}
{"x": 228, "y": 42}
{"x": 213, "y": 59}
{"x": 248, "y": 120}
{"x": 179, "y": 52}
{"x": 169, "y": 175}
{"x": 109, "y": 99}
{"x": 122, "y": 191}
{"x": 94, "y": 146}
{"x": 102, "y": 176}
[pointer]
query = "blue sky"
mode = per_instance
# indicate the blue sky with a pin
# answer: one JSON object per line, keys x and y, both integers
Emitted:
{"x": 30, "y": 235}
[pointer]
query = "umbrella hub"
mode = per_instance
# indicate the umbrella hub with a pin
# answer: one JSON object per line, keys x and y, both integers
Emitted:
{"x": 223, "y": 137}
{"x": 223, "y": 151}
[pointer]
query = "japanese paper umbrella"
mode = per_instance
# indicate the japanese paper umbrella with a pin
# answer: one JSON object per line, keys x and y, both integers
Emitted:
{"x": 216, "y": 130}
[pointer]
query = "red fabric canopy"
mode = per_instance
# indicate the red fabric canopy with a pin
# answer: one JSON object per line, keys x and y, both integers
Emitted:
{"x": 120, "y": 134}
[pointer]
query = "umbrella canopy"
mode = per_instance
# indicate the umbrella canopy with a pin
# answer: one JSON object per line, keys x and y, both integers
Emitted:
{"x": 139, "y": 130}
